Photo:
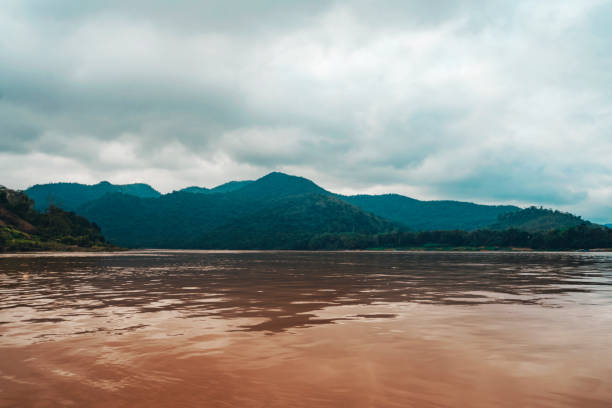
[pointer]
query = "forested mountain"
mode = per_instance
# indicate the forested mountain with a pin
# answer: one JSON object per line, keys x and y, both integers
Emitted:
{"x": 283, "y": 211}
{"x": 70, "y": 196}
{"x": 430, "y": 215}
{"x": 277, "y": 185}
{"x": 535, "y": 219}
{"x": 609, "y": 225}
{"x": 173, "y": 220}
{"x": 269, "y": 207}
{"x": 23, "y": 228}
{"x": 292, "y": 222}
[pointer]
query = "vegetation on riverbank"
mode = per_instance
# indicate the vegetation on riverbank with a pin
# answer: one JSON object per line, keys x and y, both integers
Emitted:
{"x": 23, "y": 228}
{"x": 583, "y": 236}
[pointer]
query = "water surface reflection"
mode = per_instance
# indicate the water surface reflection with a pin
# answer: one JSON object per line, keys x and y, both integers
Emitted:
{"x": 404, "y": 329}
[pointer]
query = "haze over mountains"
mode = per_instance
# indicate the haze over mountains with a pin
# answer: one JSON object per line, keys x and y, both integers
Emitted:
{"x": 275, "y": 211}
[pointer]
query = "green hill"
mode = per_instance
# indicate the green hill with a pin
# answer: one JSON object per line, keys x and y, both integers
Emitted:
{"x": 430, "y": 215}
{"x": 276, "y": 185}
{"x": 70, "y": 196}
{"x": 535, "y": 219}
{"x": 185, "y": 220}
{"x": 171, "y": 221}
{"x": 292, "y": 222}
{"x": 23, "y": 228}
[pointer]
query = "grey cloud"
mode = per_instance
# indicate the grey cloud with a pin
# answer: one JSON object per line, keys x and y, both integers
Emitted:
{"x": 241, "y": 17}
{"x": 475, "y": 100}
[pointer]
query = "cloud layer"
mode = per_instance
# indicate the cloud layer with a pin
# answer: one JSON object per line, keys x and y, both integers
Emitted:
{"x": 490, "y": 101}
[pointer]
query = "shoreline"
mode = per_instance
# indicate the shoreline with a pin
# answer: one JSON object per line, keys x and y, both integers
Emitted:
{"x": 147, "y": 251}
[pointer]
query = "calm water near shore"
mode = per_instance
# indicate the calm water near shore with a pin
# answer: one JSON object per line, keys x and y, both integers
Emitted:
{"x": 300, "y": 329}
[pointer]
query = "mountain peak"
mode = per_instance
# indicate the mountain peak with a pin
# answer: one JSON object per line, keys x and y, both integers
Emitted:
{"x": 278, "y": 175}
{"x": 281, "y": 185}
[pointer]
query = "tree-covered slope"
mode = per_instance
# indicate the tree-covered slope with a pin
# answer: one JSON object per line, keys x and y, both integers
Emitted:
{"x": 277, "y": 185}
{"x": 70, "y": 196}
{"x": 535, "y": 219}
{"x": 430, "y": 215}
{"x": 22, "y": 227}
{"x": 181, "y": 219}
{"x": 292, "y": 222}
{"x": 171, "y": 221}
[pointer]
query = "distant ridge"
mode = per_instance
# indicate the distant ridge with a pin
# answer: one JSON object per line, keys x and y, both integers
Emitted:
{"x": 430, "y": 215}
{"x": 223, "y": 188}
{"x": 280, "y": 211}
{"x": 70, "y": 196}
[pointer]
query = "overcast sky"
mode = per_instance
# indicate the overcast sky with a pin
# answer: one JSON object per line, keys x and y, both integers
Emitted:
{"x": 487, "y": 101}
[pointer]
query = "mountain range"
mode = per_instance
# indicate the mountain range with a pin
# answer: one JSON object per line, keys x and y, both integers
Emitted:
{"x": 277, "y": 211}
{"x": 71, "y": 196}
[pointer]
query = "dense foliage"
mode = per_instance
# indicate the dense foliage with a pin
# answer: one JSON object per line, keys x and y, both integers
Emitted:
{"x": 24, "y": 228}
{"x": 291, "y": 223}
{"x": 535, "y": 219}
{"x": 430, "y": 215}
{"x": 578, "y": 237}
{"x": 174, "y": 220}
{"x": 71, "y": 196}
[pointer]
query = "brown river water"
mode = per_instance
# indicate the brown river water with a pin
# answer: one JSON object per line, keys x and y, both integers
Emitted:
{"x": 305, "y": 329}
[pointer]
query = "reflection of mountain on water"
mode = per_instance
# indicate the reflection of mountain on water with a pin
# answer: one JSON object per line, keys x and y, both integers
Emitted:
{"x": 283, "y": 290}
